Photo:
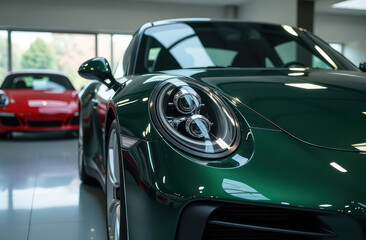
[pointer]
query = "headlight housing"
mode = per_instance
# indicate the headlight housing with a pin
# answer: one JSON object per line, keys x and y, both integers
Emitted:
{"x": 194, "y": 119}
{"x": 4, "y": 100}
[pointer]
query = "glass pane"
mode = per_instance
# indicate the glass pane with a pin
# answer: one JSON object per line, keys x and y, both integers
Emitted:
{"x": 38, "y": 82}
{"x": 120, "y": 44}
{"x": 62, "y": 52}
{"x": 239, "y": 45}
{"x": 32, "y": 50}
{"x": 292, "y": 52}
{"x": 104, "y": 46}
{"x": 337, "y": 46}
{"x": 3, "y": 55}
{"x": 221, "y": 57}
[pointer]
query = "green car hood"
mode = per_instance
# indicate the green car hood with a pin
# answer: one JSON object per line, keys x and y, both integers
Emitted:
{"x": 320, "y": 107}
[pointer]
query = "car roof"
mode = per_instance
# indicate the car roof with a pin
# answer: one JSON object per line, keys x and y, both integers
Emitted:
{"x": 35, "y": 71}
{"x": 186, "y": 20}
{"x": 191, "y": 20}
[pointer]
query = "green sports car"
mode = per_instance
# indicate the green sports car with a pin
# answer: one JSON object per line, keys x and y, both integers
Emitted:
{"x": 225, "y": 130}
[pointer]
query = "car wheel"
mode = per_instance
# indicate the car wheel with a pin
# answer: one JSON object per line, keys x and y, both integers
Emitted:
{"x": 115, "y": 196}
{"x": 6, "y": 135}
{"x": 3, "y": 135}
{"x": 72, "y": 134}
{"x": 84, "y": 177}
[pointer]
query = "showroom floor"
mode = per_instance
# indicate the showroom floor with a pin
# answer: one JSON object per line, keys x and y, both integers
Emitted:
{"x": 41, "y": 196}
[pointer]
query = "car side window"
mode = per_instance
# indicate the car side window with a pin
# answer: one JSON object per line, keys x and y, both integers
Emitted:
{"x": 119, "y": 73}
{"x": 124, "y": 63}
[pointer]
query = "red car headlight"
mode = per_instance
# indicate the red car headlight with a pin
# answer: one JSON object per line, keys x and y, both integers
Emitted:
{"x": 4, "y": 100}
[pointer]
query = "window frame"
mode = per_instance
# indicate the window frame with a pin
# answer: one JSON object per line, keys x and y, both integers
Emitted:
{"x": 95, "y": 33}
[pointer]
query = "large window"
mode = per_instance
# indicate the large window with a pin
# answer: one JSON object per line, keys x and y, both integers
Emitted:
{"x": 63, "y": 52}
{"x": 120, "y": 44}
{"x": 3, "y": 54}
{"x": 104, "y": 46}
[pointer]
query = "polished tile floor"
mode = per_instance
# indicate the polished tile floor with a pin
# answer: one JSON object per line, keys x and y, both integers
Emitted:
{"x": 41, "y": 196}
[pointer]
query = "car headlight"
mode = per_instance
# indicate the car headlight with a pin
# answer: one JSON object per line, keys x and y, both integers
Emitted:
{"x": 4, "y": 100}
{"x": 194, "y": 119}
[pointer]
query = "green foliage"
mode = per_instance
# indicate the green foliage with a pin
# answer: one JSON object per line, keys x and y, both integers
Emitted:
{"x": 3, "y": 58}
{"x": 38, "y": 56}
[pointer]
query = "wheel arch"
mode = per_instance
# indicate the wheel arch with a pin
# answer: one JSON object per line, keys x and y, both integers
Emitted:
{"x": 111, "y": 115}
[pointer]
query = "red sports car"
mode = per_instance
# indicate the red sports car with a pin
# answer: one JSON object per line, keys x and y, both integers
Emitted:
{"x": 38, "y": 100}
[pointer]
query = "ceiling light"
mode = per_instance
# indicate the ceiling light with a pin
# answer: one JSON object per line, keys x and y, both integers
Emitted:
{"x": 338, "y": 167}
{"x": 305, "y": 85}
{"x": 351, "y": 4}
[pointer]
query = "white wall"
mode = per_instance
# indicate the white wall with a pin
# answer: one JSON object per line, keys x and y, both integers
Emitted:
{"x": 347, "y": 29}
{"x": 279, "y": 11}
{"x": 95, "y": 15}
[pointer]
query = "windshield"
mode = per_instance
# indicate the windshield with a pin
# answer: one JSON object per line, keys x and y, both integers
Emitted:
{"x": 37, "y": 82}
{"x": 228, "y": 44}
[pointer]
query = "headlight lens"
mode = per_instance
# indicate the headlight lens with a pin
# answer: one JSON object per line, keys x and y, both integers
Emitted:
{"x": 4, "y": 100}
{"x": 194, "y": 119}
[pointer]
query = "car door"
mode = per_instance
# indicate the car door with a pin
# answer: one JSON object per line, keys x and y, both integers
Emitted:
{"x": 100, "y": 102}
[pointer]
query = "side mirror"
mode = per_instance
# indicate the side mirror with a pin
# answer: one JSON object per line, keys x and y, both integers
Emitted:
{"x": 363, "y": 66}
{"x": 99, "y": 69}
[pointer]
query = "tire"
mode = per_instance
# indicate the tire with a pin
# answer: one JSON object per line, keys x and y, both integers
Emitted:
{"x": 6, "y": 135}
{"x": 73, "y": 134}
{"x": 84, "y": 177}
{"x": 115, "y": 187}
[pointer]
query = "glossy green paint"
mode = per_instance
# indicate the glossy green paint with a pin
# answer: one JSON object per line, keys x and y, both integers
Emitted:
{"x": 331, "y": 115}
{"x": 269, "y": 168}
{"x": 276, "y": 163}
{"x": 132, "y": 106}
{"x": 282, "y": 172}
{"x": 97, "y": 69}
{"x": 320, "y": 107}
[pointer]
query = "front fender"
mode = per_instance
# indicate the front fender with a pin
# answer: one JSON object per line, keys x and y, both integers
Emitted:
{"x": 131, "y": 104}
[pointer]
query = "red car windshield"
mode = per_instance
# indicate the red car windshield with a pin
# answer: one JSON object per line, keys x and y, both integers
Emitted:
{"x": 37, "y": 82}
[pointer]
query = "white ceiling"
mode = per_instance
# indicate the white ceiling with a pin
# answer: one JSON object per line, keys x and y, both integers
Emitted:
{"x": 322, "y": 6}
{"x": 325, "y": 6}
{"x": 200, "y": 2}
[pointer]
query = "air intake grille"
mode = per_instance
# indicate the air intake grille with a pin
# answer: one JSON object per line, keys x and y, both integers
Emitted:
{"x": 45, "y": 123}
{"x": 9, "y": 121}
{"x": 234, "y": 222}
{"x": 75, "y": 120}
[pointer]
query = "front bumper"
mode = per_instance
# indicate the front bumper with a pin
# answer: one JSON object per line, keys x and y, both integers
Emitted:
{"x": 10, "y": 121}
{"x": 161, "y": 182}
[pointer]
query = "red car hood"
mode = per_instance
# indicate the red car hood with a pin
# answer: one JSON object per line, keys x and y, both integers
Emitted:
{"x": 43, "y": 102}
{"x": 46, "y": 98}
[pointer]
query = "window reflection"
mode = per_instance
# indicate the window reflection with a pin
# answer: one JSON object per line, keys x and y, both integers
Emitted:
{"x": 241, "y": 190}
{"x": 360, "y": 146}
{"x": 48, "y": 197}
{"x": 201, "y": 45}
{"x": 3, "y": 55}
